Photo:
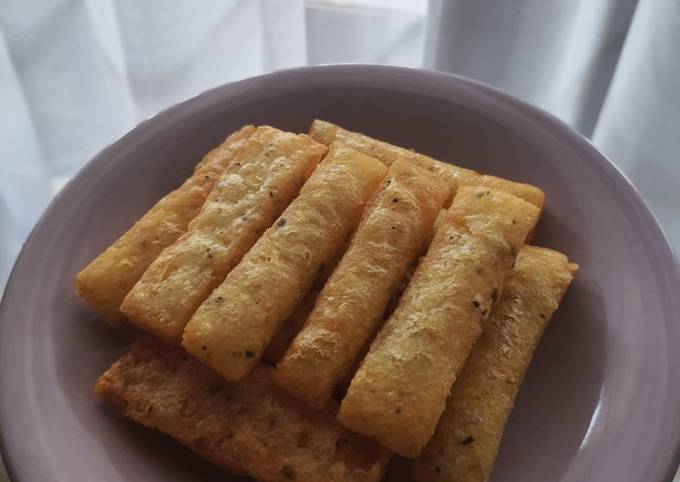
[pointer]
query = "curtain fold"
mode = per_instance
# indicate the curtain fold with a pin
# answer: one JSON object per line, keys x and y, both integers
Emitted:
{"x": 77, "y": 74}
{"x": 555, "y": 54}
{"x": 72, "y": 94}
{"x": 639, "y": 125}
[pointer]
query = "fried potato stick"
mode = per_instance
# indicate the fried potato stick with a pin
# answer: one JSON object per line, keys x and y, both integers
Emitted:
{"x": 465, "y": 443}
{"x": 248, "y": 428}
{"x": 289, "y": 329}
{"x": 293, "y": 324}
{"x": 231, "y": 329}
{"x": 104, "y": 283}
{"x": 263, "y": 178}
{"x": 400, "y": 389}
{"x": 390, "y": 236}
{"x": 325, "y": 132}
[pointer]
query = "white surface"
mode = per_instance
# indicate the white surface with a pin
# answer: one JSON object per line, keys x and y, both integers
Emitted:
{"x": 76, "y": 74}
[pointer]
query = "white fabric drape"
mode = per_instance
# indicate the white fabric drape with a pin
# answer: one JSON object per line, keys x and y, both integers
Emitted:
{"x": 639, "y": 125}
{"x": 555, "y": 54}
{"x": 76, "y": 74}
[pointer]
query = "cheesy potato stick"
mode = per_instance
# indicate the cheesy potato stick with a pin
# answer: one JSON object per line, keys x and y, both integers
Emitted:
{"x": 289, "y": 329}
{"x": 231, "y": 329}
{"x": 351, "y": 304}
{"x": 400, "y": 389}
{"x": 325, "y": 132}
{"x": 293, "y": 324}
{"x": 247, "y": 428}
{"x": 465, "y": 443}
{"x": 263, "y": 178}
{"x": 104, "y": 283}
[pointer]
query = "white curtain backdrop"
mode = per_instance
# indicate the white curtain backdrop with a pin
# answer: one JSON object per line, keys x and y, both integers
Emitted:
{"x": 76, "y": 74}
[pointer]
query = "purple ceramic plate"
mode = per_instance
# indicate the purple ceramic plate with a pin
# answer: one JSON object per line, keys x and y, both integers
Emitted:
{"x": 601, "y": 400}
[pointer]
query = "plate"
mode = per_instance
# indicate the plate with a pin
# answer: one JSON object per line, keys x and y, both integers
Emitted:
{"x": 602, "y": 397}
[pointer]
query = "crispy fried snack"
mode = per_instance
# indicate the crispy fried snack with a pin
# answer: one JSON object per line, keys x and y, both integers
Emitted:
{"x": 289, "y": 329}
{"x": 231, "y": 329}
{"x": 247, "y": 428}
{"x": 465, "y": 443}
{"x": 325, "y": 132}
{"x": 108, "y": 278}
{"x": 293, "y": 324}
{"x": 400, "y": 389}
{"x": 263, "y": 178}
{"x": 390, "y": 236}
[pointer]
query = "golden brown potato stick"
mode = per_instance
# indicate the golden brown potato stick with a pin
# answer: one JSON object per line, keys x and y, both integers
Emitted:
{"x": 108, "y": 278}
{"x": 293, "y": 324}
{"x": 390, "y": 236}
{"x": 289, "y": 329}
{"x": 263, "y": 178}
{"x": 343, "y": 385}
{"x": 231, "y": 329}
{"x": 465, "y": 443}
{"x": 400, "y": 389}
{"x": 247, "y": 428}
{"x": 325, "y": 132}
